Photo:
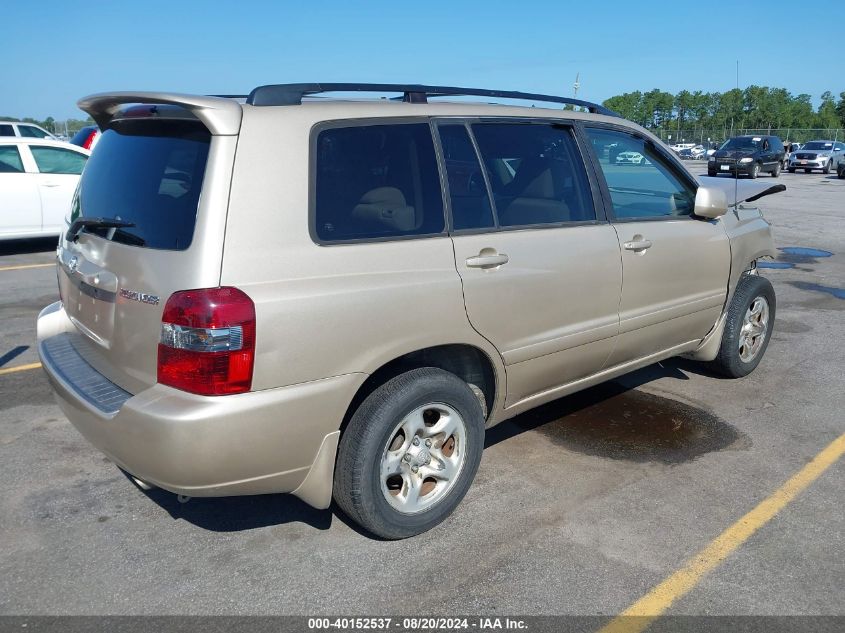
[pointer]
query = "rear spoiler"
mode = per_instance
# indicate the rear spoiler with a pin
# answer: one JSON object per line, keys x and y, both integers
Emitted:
{"x": 220, "y": 115}
{"x": 738, "y": 191}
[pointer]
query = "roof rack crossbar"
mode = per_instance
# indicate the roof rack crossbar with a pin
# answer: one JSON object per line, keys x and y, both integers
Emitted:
{"x": 292, "y": 94}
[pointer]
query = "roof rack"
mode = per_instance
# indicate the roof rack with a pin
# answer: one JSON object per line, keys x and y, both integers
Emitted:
{"x": 292, "y": 94}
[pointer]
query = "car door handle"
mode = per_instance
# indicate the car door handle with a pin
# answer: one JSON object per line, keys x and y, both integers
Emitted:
{"x": 50, "y": 184}
{"x": 487, "y": 261}
{"x": 637, "y": 245}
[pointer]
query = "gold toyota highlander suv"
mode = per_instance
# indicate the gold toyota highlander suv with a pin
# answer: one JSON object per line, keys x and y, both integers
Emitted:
{"x": 336, "y": 297}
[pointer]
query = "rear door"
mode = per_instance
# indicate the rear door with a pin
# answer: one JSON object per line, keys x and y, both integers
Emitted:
{"x": 151, "y": 173}
{"x": 675, "y": 266}
{"x": 540, "y": 269}
{"x": 58, "y": 174}
{"x": 20, "y": 206}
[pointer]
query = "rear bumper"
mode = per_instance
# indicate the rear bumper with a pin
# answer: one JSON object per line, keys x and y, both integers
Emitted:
{"x": 276, "y": 440}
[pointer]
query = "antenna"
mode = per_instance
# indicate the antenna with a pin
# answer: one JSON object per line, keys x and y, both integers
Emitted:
{"x": 576, "y": 85}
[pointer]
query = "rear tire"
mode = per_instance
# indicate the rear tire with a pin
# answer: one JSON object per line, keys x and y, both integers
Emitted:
{"x": 712, "y": 174}
{"x": 392, "y": 452}
{"x": 791, "y": 170}
{"x": 748, "y": 328}
{"x": 808, "y": 171}
{"x": 841, "y": 173}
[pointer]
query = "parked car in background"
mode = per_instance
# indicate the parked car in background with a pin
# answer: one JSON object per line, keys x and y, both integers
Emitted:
{"x": 677, "y": 147}
{"x": 749, "y": 155}
{"x": 823, "y": 155}
{"x": 328, "y": 317}
{"x": 692, "y": 153}
{"x": 37, "y": 181}
{"x": 87, "y": 137}
{"x": 630, "y": 158}
{"x": 25, "y": 130}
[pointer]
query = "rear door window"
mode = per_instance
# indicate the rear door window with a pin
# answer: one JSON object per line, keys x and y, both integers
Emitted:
{"x": 150, "y": 173}
{"x": 536, "y": 173}
{"x": 10, "y": 160}
{"x": 376, "y": 182}
{"x": 57, "y": 160}
{"x": 7, "y": 130}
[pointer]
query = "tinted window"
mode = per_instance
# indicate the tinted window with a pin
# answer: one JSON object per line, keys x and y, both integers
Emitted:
{"x": 32, "y": 131}
{"x": 56, "y": 160}
{"x": 470, "y": 203}
{"x": 149, "y": 173}
{"x": 10, "y": 160}
{"x": 640, "y": 180}
{"x": 7, "y": 130}
{"x": 376, "y": 181}
{"x": 536, "y": 173}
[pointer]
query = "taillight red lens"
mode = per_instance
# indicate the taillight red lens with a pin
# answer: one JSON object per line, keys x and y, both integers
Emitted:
{"x": 207, "y": 341}
{"x": 89, "y": 139}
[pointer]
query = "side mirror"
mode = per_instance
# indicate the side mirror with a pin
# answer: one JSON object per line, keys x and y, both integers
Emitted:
{"x": 710, "y": 202}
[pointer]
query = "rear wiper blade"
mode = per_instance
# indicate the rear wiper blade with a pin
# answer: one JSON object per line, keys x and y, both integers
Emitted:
{"x": 83, "y": 223}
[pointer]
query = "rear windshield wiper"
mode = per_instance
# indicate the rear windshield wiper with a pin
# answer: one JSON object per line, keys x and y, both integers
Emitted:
{"x": 100, "y": 223}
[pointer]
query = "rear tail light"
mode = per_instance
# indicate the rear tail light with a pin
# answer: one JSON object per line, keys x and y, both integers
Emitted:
{"x": 207, "y": 341}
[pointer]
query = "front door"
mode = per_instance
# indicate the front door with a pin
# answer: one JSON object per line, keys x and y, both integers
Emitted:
{"x": 675, "y": 266}
{"x": 541, "y": 272}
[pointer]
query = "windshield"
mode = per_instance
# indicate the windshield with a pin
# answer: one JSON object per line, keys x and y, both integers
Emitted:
{"x": 742, "y": 143}
{"x": 817, "y": 145}
{"x": 148, "y": 173}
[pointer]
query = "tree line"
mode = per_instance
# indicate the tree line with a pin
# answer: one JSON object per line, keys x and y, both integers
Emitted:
{"x": 755, "y": 107}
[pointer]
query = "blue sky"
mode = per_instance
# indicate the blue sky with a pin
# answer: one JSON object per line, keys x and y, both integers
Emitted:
{"x": 76, "y": 48}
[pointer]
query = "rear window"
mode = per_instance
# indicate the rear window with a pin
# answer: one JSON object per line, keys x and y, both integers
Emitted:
{"x": 376, "y": 181}
{"x": 10, "y": 160}
{"x": 149, "y": 173}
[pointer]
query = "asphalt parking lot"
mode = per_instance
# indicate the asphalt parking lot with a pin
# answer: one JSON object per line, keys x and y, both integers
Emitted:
{"x": 579, "y": 507}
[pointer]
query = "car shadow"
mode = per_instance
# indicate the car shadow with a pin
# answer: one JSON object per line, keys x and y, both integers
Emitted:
{"x": 235, "y": 514}
{"x": 238, "y": 514}
{"x": 27, "y": 246}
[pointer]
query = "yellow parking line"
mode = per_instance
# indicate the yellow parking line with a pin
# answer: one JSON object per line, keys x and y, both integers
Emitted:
{"x": 24, "y": 266}
{"x": 12, "y": 370}
{"x": 640, "y": 615}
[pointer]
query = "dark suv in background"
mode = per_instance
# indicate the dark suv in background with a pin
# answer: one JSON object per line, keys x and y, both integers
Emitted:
{"x": 747, "y": 155}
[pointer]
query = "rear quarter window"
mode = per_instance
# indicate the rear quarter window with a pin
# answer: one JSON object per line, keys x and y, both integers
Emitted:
{"x": 376, "y": 182}
{"x": 150, "y": 173}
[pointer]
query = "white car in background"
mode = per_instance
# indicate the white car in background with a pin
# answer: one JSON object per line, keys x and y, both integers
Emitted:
{"x": 37, "y": 180}
{"x": 677, "y": 147}
{"x": 24, "y": 130}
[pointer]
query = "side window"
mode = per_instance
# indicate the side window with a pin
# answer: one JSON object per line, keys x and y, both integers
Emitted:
{"x": 641, "y": 182}
{"x": 10, "y": 160}
{"x": 7, "y": 130}
{"x": 536, "y": 173}
{"x": 31, "y": 131}
{"x": 471, "y": 207}
{"x": 56, "y": 160}
{"x": 377, "y": 181}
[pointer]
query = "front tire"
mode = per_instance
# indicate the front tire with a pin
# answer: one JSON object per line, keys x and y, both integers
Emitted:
{"x": 776, "y": 171}
{"x": 409, "y": 453}
{"x": 826, "y": 168}
{"x": 755, "y": 171}
{"x": 791, "y": 170}
{"x": 748, "y": 327}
